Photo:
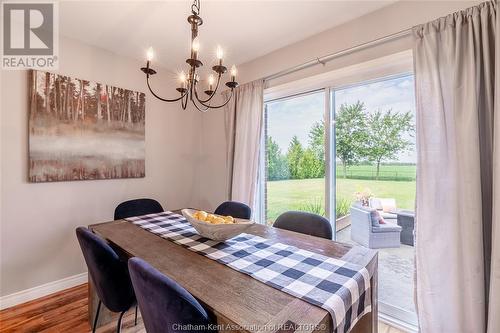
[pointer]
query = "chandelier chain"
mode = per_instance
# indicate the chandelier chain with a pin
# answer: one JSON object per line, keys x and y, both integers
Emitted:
{"x": 195, "y": 7}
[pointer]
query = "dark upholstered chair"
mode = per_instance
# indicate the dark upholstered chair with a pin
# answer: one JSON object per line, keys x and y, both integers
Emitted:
{"x": 235, "y": 209}
{"x": 109, "y": 275}
{"x": 137, "y": 207}
{"x": 165, "y": 306}
{"x": 305, "y": 223}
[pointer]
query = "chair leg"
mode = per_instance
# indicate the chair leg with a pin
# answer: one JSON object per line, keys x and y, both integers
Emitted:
{"x": 119, "y": 324}
{"x": 96, "y": 316}
{"x": 135, "y": 323}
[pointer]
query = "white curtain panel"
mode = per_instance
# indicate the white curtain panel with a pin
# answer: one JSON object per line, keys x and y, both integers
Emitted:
{"x": 458, "y": 178}
{"x": 494, "y": 295}
{"x": 243, "y": 124}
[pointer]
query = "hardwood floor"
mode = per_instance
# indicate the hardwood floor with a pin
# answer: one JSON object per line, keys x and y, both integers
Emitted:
{"x": 66, "y": 311}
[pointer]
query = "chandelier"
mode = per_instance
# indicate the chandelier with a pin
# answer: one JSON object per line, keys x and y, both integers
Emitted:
{"x": 189, "y": 83}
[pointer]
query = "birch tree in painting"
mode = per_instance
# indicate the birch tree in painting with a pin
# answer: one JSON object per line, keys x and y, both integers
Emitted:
{"x": 83, "y": 130}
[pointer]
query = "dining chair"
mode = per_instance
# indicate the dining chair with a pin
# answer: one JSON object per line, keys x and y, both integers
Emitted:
{"x": 165, "y": 305}
{"x": 109, "y": 275}
{"x": 137, "y": 207}
{"x": 235, "y": 209}
{"x": 305, "y": 223}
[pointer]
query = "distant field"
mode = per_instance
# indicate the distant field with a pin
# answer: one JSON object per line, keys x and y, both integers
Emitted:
{"x": 387, "y": 172}
{"x": 286, "y": 195}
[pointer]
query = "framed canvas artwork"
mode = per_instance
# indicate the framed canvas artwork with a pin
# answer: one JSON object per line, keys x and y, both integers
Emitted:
{"x": 83, "y": 130}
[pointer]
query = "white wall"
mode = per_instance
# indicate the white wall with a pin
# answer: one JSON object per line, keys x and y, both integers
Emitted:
{"x": 38, "y": 221}
{"x": 211, "y": 165}
{"x": 386, "y": 21}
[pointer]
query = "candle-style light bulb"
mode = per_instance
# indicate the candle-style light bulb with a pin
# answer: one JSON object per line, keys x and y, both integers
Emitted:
{"x": 150, "y": 54}
{"x": 182, "y": 78}
{"x": 211, "y": 81}
{"x": 195, "y": 46}
{"x": 220, "y": 54}
{"x": 234, "y": 71}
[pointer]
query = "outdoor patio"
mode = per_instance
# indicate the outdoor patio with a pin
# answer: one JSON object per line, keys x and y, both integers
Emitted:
{"x": 396, "y": 266}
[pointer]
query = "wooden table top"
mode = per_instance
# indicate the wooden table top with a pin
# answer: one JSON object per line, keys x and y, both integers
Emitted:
{"x": 233, "y": 297}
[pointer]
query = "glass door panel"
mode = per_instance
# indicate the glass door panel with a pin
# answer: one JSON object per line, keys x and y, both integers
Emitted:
{"x": 375, "y": 157}
{"x": 295, "y": 155}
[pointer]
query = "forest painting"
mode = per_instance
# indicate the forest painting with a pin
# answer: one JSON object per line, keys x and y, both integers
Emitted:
{"x": 82, "y": 130}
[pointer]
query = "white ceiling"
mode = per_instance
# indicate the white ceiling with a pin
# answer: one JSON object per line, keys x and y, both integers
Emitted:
{"x": 245, "y": 29}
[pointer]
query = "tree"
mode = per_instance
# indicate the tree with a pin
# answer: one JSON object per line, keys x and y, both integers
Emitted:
{"x": 277, "y": 167}
{"x": 317, "y": 145}
{"x": 293, "y": 157}
{"x": 56, "y": 96}
{"x": 47, "y": 93}
{"x": 34, "y": 92}
{"x": 387, "y": 135}
{"x": 80, "y": 101}
{"x": 98, "y": 97}
{"x": 310, "y": 166}
{"x": 129, "y": 106}
{"x": 351, "y": 134}
{"x": 108, "y": 107}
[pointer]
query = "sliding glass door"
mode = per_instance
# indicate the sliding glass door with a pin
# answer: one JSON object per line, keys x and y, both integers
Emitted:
{"x": 325, "y": 149}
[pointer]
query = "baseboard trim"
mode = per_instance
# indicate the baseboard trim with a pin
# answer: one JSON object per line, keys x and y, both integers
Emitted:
{"x": 27, "y": 295}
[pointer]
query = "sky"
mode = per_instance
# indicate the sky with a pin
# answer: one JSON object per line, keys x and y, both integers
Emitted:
{"x": 296, "y": 116}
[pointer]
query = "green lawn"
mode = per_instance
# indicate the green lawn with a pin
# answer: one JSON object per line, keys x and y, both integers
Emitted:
{"x": 286, "y": 195}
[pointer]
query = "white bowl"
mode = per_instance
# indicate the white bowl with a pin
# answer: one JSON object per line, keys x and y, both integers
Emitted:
{"x": 218, "y": 232}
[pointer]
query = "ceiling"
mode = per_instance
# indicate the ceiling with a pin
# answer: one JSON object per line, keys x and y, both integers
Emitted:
{"x": 245, "y": 29}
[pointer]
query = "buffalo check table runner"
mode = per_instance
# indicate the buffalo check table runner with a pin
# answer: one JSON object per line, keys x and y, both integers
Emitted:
{"x": 341, "y": 288}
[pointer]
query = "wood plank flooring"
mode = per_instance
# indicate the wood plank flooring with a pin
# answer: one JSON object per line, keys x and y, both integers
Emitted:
{"x": 66, "y": 311}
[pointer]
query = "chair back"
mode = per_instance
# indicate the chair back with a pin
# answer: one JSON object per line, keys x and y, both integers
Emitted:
{"x": 235, "y": 209}
{"x": 164, "y": 304}
{"x": 137, "y": 207}
{"x": 305, "y": 223}
{"x": 361, "y": 224}
{"x": 108, "y": 273}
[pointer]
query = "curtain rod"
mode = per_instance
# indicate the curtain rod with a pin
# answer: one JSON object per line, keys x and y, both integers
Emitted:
{"x": 323, "y": 60}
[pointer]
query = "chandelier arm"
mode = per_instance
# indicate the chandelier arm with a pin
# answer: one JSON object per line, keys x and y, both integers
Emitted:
{"x": 160, "y": 98}
{"x": 206, "y": 107}
{"x": 222, "y": 105}
{"x": 193, "y": 101}
{"x": 213, "y": 93}
{"x": 191, "y": 88}
{"x": 184, "y": 102}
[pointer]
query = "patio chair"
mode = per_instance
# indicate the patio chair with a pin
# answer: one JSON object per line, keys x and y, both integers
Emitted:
{"x": 386, "y": 207}
{"x": 367, "y": 231}
{"x": 406, "y": 220}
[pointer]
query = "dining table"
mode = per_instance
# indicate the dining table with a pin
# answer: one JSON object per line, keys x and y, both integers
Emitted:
{"x": 238, "y": 302}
